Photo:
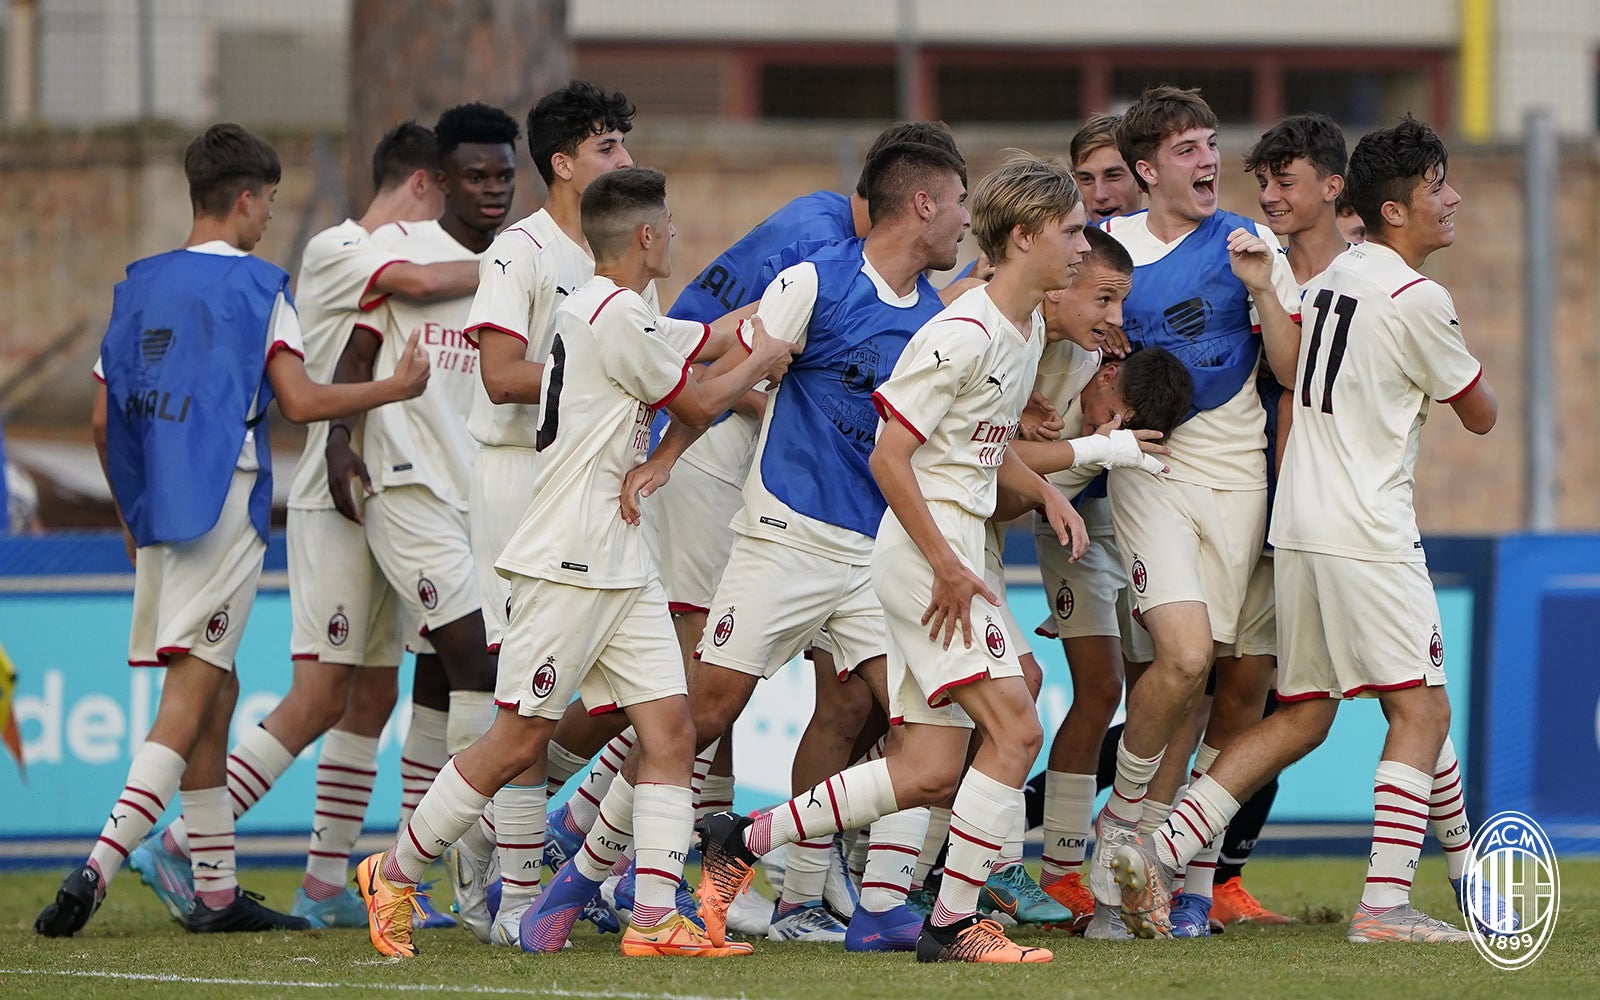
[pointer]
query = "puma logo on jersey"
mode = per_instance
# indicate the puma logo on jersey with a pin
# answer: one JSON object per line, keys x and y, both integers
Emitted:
{"x": 1454, "y": 321}
{"x": 783, "y": 285}
{"x": 649, "y": 329}
{"x": 503, "y": 264}
{"x": 999, "y": 386}
{"x": 939, "y": 360}
{"x": 563, "y": 291}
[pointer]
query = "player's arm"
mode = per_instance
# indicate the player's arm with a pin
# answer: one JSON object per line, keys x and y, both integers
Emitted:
{"x": 1015, "y": 477}
{"x": 303, "y": 400}
{"x": 1109, "y": 447}
{"x": 1265, "y": 274}
{"x": 1478, "y": 408}
{"x": 97, "y": 423}
{"x": 450, "y": 279}
{"x": 1434, "y": 355}
{"x": 701, "y": 401}
{"x": 508, "y": 376}
{"x": 954, "y": 585}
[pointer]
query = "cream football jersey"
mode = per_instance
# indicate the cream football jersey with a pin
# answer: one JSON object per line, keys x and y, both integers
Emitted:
{"x": 612, "y": 363}
{"x": 960, "y": 387}
{"x": 424, "y": 441}
{"x": 1378, "y": 341}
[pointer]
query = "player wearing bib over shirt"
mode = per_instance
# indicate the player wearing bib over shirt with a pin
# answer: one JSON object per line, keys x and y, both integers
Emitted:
{"x": 948, "y": 412}
{"x": 587, "y": 609}
{"x": 200, "y": 341}
{"x": 1357, "y": 614}
{"x": 1210, "y": 287}
{"x": 346, "y": 640}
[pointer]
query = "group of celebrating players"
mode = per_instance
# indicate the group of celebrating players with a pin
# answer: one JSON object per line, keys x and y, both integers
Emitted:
{"x": 841, "y": 446}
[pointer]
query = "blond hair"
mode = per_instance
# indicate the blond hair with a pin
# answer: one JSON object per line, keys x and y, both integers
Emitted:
{"x": 1025, "y": 190}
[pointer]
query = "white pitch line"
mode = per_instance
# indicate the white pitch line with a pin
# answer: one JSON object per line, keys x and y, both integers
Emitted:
{"x": 290, "y": 984}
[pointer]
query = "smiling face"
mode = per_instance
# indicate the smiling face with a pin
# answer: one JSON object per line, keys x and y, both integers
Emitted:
{"x": 1294, "y": 198}
{"x": 1429, "y": 221}
{"x": 1108, "y": 186}
{"x": 1182, "y": 177}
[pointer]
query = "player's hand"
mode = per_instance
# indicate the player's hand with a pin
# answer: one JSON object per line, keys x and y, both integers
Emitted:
{"x": 1140, "y": 449}
{"x": 344, "y": 467}
{"x": 771, "y": 354}
{"x": 950, "y": 605}
{"x": 981, "y": 268}
{"x": 1114, "y": 341}
{"x": 1066, "y": 522}
{"x": 1250, "y": 257}
{"x": 641, "y": 481}
{"x": 1040, "y": 421}
{"x": 411, "y": 373}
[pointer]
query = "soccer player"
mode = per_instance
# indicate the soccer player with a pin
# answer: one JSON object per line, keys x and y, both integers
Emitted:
{"x": 346, "y": 642}
{"x": 178, "y": 424}
{"x": 1109, "y": 186}
{"x": 1210, "y": 287}
{"x": 948, "y": 411}
{"x": 421, "y": 453}
{"x": 587, "y": 608}
{"x": 1357, "y": 614}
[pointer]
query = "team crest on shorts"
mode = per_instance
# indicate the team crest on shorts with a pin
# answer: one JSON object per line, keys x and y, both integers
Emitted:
{"x": 338, "y": 628}
{"x": 544, "y": 678}
{"x": 427, "y": 593}
{"x": 217, "y": 627}
{"x": 724, "y": 629}
{"x": 994, "y": 638}
{"x": 1436, "y": 648}
{"x": 1140, "y": 577}
{"x": 1064, "y": 602}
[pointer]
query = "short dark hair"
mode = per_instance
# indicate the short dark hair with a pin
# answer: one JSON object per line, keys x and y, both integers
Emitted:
{"x": 224, "y": 160}
{"x": 474, "y": 123}
{"x": 615, "y": 203}
{"x": 1158, "y": 388}
{"x": 562, "y": 119}
{"x": 926, "y": 133}
{"x": 1106, "y": 251}
{"x": 403, "y": 150}
{"x": 1158, "y": 113}
{"x": 1097, "y": 133}
{"x": 1314, "y": 137}
{"x": 899, "y": 171}
{"x": 1388, "y": 163}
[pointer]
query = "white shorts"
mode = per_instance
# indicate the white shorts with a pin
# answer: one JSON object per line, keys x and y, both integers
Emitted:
{"x": 421, "y": 543}
{"x": 502, "y": 486}
{"x": 1090, "y": 597}
{"x": 692, "y": 516}
{"x": 994, "y": 576}
{"x": 1348, "y": 627}
{"x": 1182, "y": 542}
{"x": 613, "y": 648}
{"x": 341, "y": 605}
{"x": 921, "y": 671}
{"x": 1258, "y": 626}
{"x": 772, "y": 600}
{"x": 194, "y": 597}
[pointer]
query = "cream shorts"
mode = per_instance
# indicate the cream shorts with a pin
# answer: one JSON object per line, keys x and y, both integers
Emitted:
{"x": 341, "y": 606}
{"x": 502, "y": 487}
{"x": 692, "y": 515}
{"x": 1258, "y": 627}
{"x": 422, "y": 544}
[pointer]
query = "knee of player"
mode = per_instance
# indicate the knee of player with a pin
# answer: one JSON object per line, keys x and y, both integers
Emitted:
{"x": 1192, "y": 661}
{"x": 925, "y": 785}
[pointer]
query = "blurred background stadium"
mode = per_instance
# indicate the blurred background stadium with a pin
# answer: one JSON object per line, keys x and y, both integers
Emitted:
{"x": 745, "y": 104}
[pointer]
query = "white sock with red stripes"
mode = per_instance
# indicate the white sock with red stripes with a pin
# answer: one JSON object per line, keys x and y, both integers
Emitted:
{"x": 1011, "y": 850}
{"x": 421, "y": 756}
{"x": 208, "y": 813}
{"x": 1201, "y": 871}
{"x": 1400, "y": 800}
{"x": 985, "y": 810}
{"x": 855, "y": 797}
{"x": 663, "y": 823}
{"x": 346, "y": 770}
{"x": 611, "y": 835}
{"x": 1129, "y": 787}
{"x": 584, "y": 805}
{"x": 152, "y": 781}
{"x": 932, "y": 844}
{"x": 450, "y": 809}
{"x": 255, "y": 764}
{"x": 519, "y": 837}
{"x": 805, "y": 873}
{"x": 1068, "y": 817}
{"x": 1201, "y": 815}
{"x": 892, "y": 858}
{"x": 1447, "y": 811}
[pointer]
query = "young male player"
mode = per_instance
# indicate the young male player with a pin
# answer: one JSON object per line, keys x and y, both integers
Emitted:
{"x": 1108, "y": 184}
{"x": 948, "y": 412}
{"x": 587, "y": 608}
{"x": 346, "y": 641}
{"x": 1357, "y": 614}
{"x": 178, "y": 424}
{"x": 1209, "y": 287}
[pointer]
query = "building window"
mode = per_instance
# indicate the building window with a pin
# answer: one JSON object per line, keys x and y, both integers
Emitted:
{"x": 797, "y": 91}
{"x": 1226, "y": 90}
{"x": 1360, "y": 99}
{"x": 1008, "y": 94}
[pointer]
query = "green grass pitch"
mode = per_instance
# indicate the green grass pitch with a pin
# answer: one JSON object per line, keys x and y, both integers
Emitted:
{"x": 131, "y": 950}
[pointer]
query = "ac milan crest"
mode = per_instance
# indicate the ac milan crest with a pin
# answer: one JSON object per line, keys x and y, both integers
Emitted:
{"x": 338, "y": 628}
{"x": 1140, "y": 577}
{"x": 1064, "y": 602}
{"x": 724, "y": 630}
{"x": 1436, "y": 648}
{"x": 995, "y": 639}
{"x": 544, "y": 678}
{"x": 217, "y": 627}
{"x": 427, "y": 593}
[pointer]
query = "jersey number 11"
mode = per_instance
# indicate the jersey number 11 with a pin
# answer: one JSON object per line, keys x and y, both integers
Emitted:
{"x": 1344, "y": 308}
